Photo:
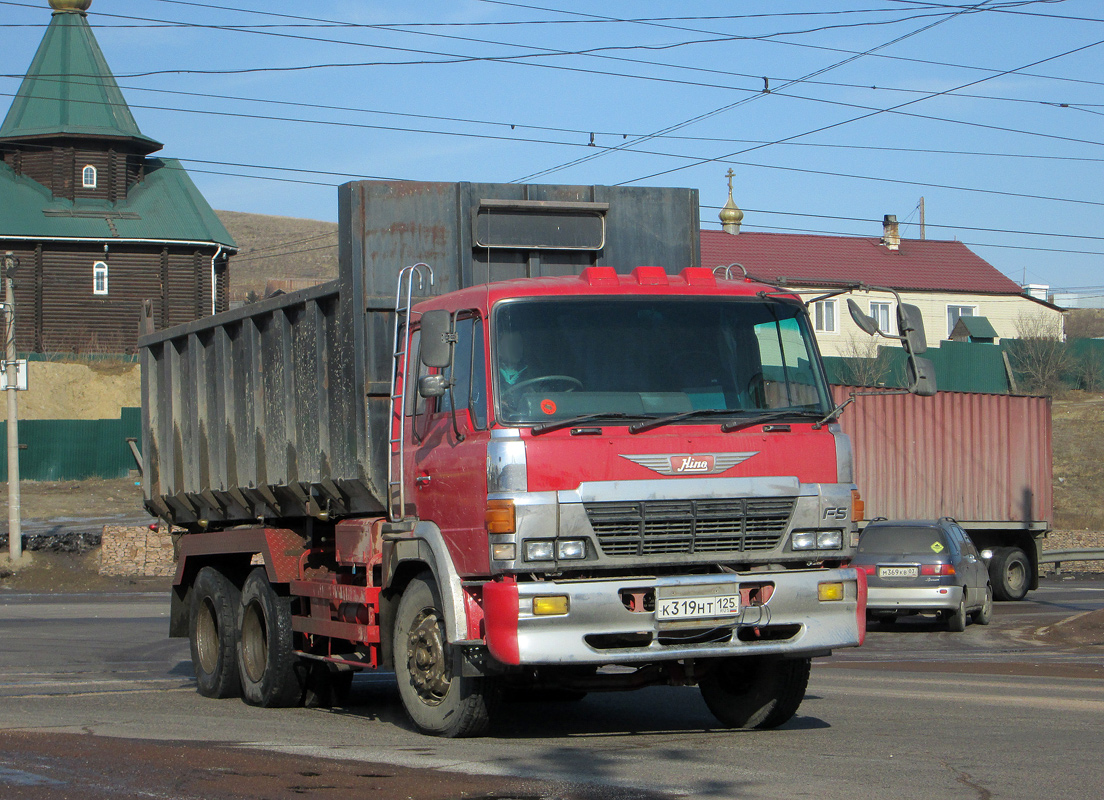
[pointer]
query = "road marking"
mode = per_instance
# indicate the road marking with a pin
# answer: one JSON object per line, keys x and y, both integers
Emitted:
{"x": 992, "y": 700}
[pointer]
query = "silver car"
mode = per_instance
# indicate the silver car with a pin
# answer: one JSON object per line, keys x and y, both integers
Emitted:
{"x": 924, "y": 567}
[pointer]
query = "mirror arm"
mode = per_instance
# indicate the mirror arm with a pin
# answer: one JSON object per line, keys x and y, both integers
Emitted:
{"x": 452, "y": 339}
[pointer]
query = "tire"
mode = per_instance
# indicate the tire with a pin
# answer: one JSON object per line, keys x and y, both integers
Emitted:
{"x": 984, "y": 614}
{"x": 956, "y": 620}
{"x": 753, "y": 692}
{"x": 266, "y": 655}
{"x": 1010, "y": 574}
{"x": 438, "y": 702}
{"x": 213, "y": 633}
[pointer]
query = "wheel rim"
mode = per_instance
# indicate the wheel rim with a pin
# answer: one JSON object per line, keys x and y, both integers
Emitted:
{"x": 1015, "y": 576}
{"x": 426, "y": 659}
{"x": 207, "y": 636}
{"x": 254, "y": 642}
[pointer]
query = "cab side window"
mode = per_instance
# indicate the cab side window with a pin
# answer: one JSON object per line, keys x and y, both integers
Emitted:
{"x": 469, "y": 367}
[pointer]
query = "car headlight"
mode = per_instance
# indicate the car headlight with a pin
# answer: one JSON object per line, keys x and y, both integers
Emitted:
{"x": 803, "y": 540}
{"x": 817, "y": 540}
{"x": 571, "y": 549}
{"x": 540, "y": 550}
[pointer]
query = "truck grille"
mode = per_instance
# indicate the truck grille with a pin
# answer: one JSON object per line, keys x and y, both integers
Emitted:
{"x": 656, "y": 527}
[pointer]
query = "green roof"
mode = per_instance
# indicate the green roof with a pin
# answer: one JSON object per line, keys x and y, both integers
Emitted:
{"x": 166, "y": 205}
{"x": 976, "y": 327}
{"x": 69, "y": 91}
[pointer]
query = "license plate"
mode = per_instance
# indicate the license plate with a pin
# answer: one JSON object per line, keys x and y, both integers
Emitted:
{"x": 722, "y": 605}
{"x": 897, "y": 572}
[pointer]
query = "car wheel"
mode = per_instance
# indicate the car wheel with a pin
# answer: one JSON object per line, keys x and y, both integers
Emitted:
{"x": 956, "y": 621}
{"x": 985, "y": 613}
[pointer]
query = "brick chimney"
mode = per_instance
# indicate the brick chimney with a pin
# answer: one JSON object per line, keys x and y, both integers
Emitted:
{"x": 891, "y": 236}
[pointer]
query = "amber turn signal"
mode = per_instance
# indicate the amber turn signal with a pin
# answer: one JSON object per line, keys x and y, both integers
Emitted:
{"x": 858, "y": 506}
{"x": 499, "y": 516}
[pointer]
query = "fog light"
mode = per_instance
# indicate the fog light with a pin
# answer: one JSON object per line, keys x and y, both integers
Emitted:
{"x": 829, "y": 540}
{"x": 570, "y": 550}
{"x": 830, "y": 591}
{"x": 539, "y": 551}
{"x": 803, "y": 540}
{"x": 504, "y": 552}
{"x": 548, "y": 606}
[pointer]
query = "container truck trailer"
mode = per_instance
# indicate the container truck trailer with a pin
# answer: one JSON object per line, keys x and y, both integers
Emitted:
{"x": 983, "y": 459}
{"x": 523, "y": 443}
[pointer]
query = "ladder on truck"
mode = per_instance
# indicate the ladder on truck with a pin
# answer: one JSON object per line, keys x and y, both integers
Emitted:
{"x": 400, "y": 371}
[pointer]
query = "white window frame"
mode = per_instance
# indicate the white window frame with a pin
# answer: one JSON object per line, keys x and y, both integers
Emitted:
{"x": 99, "y": 270}
{"x": 880, "y": 304}
{"x": 818, "y": 316}
{"x": 959, "y": 306}
{"x": 88, "y": 170}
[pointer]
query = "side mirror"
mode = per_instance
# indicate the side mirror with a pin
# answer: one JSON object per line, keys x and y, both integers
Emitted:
{"x": 432, "y": 385}
{"x": 436, "y": 340}
{"x": 920, "y": 373}
{"x": 910, "y": 324}
{"x": 867, "y": 323}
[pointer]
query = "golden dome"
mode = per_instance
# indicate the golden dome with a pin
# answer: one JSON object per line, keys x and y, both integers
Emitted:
{"x": 731, "y": 216}
{"x": 78, "y": 6}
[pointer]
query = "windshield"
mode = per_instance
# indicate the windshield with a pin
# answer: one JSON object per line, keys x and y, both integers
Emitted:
{"x": 646, "y": 357}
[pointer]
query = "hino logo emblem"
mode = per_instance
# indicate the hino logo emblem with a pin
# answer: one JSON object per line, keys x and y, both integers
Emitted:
{"x": 690, "y": 463}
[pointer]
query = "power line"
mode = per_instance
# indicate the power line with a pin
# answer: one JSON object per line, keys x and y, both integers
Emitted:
{"x": 873, "y": 113}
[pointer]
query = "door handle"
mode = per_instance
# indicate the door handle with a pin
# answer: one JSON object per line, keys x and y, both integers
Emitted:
{"x": 422, "y": 480}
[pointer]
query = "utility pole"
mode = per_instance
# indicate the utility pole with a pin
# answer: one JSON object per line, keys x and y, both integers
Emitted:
{"x": 15, "y": 526}
{"x": 923, "y": 227}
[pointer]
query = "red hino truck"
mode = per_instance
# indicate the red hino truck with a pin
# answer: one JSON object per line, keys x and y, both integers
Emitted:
{"x": 561, "y": 457}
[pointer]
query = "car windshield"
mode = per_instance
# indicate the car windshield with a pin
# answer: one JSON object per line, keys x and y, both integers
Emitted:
{"x": 920, "y": 540}
{"x": 649, "y": 357}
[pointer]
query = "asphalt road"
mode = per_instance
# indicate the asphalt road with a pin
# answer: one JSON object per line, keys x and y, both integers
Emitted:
{"x": 916, "y": 712}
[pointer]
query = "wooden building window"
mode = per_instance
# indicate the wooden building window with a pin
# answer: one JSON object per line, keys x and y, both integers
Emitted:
{"x": 88, "y": 177}
{"x": 99, "y": 278}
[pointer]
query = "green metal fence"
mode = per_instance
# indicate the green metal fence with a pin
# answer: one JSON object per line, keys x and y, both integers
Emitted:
{"x": 74, "y": 449}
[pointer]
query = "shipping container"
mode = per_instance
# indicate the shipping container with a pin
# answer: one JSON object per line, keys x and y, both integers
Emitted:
{"x": 982, "y": 459}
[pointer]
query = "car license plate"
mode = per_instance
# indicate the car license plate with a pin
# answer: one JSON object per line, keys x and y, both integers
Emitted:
{"x": 897, "y": 572}
{"x": 673, "y": 608}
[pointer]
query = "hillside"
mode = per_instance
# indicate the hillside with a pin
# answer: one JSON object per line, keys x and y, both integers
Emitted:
{"x": 278, "y": 247}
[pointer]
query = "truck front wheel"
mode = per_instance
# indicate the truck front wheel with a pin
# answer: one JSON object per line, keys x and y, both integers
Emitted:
{"x": 213, "y": 633}
{"x": 755, "y": 692}
{"x": 438, "y": 702}
{"x": 266, "y": 653}
{"x": 1010, "y": 573}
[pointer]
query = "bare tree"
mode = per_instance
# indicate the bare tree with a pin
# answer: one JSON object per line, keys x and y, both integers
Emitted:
{"x": 1084, "y": 323}
{"x": 865, "y": 363}
{"x": 1039, "y": 353}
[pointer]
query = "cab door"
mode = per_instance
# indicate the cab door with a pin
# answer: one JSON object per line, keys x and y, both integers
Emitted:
{"x": 449, "y": 463}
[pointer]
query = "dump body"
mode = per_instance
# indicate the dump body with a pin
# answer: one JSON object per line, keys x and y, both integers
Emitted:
{"x": 983, "y": 459}
{"x": 280, "y": 408}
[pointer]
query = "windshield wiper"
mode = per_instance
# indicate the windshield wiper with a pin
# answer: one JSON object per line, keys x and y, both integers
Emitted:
{"x": 789, "y": 412}
{"x": 555, "y": 425}
{"x": 640, "y": 427}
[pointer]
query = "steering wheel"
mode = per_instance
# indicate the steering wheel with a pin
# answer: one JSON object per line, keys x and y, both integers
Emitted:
{"x": 573, "y": 383}
{"x": 757, "y": 389}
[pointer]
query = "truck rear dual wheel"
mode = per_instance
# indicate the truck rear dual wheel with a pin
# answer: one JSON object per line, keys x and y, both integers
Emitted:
{"x": 437, "y": 701}
{"x": 266, "y": 654}
{"x": 1010, "y": 573}
{"x": 213, "y": 633}
{"x": 755, "y": 692}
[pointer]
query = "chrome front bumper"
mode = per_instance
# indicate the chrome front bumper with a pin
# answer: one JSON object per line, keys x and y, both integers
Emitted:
{"x": 598, "y": 628}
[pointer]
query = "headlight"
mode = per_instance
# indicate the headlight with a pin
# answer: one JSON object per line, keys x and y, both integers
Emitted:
{"x": 817, "y": 540}
{"x": 541, "y": 550}
{"x": 803, "y": 540}
{"x": 571, "y": 549}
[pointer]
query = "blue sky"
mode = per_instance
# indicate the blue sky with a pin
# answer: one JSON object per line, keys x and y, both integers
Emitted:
{"x": 990, "y": 111}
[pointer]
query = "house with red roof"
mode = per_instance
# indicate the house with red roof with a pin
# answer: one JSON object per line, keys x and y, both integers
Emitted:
{"x": 945, "y": 279}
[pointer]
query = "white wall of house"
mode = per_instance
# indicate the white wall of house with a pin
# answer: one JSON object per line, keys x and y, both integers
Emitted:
{"x": 839, "y": 336}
